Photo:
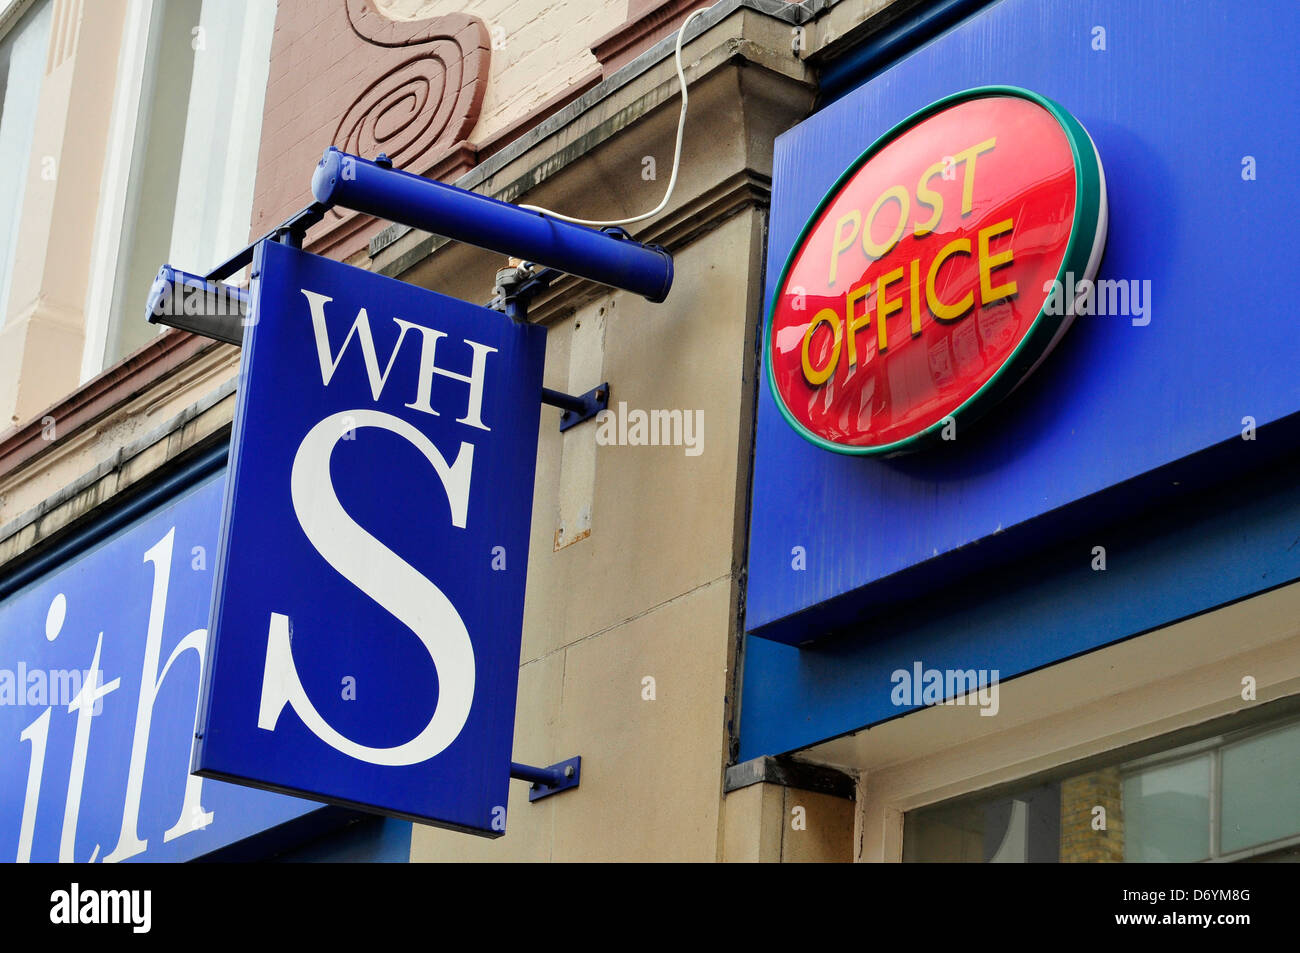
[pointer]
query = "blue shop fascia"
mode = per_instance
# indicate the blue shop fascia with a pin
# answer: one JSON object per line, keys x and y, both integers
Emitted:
{"x": 105, "y": 636}
{"x": 1141, "y": 478}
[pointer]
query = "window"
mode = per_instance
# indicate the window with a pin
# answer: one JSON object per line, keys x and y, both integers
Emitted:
{"x": 22, "y": 67}
{"x": 178, "y": 180}
{"x": 1167, "y": 811}
{"x": 1233, "y": 797}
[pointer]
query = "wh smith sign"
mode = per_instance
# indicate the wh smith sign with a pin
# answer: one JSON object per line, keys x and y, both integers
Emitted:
{"x": 367, "y": 615}
{"x": 100, "y": 664}
{"x": 927, "y": 284}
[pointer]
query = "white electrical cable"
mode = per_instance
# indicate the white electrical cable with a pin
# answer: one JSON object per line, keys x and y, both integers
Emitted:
{"x": 677, "y": 153}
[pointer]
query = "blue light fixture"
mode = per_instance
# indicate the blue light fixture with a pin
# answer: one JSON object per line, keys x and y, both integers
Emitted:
{"x": 607, "y": 257}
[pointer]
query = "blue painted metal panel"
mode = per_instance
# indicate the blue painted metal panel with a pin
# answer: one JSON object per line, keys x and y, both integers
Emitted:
{"x": 922, "y": 23}
{"x": 1121, "y": 417}
{"x": 139, "y": 593}
{"x": 1200, "y": 553}
{"x": 366, "y": 623}
{"x": 1180, "y": 94}
{"x": 369, "y": 840}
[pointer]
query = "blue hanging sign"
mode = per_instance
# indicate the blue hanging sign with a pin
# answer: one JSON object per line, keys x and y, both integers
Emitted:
{"x": 369, "y": 599}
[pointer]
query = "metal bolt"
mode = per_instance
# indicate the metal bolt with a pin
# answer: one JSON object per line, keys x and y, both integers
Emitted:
{"x": 568, "y": 770}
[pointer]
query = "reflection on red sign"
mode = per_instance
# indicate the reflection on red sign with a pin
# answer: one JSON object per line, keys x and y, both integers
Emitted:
{"x": 916, "y": 295}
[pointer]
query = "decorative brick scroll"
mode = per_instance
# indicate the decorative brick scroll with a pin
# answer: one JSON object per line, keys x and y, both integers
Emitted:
{"x": 343, "y": 74}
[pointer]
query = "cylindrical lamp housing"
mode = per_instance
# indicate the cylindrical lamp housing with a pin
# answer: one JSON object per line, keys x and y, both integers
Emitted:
{"x": 214, "y": 309}
{"x": 351, "y": 182}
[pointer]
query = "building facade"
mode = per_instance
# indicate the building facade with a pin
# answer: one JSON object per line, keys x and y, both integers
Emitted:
{"x": 717, "y": 610}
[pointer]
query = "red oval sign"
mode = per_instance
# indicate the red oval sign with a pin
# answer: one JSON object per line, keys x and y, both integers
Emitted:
{"x": 921, "y": 290}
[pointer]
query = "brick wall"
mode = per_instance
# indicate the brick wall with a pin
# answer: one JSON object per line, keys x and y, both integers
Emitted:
{"x": 343, "y": 74}
{"x": 425, "y": 81}
{"x": 1080, "y": 843}
{"x": 539, "y": 48}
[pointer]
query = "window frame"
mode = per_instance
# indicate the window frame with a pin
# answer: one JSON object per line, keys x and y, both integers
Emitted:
{"x": 111, "y": 223}
{"x": 126, "y": 153}
{"x": 1213, "y": 745}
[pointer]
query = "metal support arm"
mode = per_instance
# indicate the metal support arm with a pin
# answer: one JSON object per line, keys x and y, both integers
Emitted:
{"x": 577, "y": 409}
{"x": 516, "y": 288}
{"x": 291, "y": 231}
{"x": 548, "y": 781}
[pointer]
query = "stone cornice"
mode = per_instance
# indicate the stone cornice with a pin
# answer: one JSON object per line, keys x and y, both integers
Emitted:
{"x": 133, "y": 465}
{"x": 21, "y": 445}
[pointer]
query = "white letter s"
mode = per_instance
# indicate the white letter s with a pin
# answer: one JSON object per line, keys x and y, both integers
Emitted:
{"x": 387, "y": 579}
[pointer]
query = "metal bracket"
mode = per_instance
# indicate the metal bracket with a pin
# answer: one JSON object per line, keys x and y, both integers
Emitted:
{"x": 221, "y": 309}
{"x": 516, "y": 287}
{"x": 547, "y": 781}
{"x": 577, "y": 409}
{"x": 291, "y": 232}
